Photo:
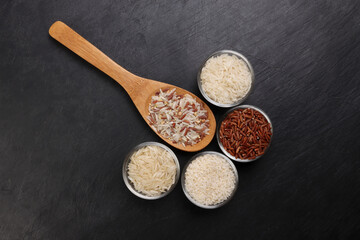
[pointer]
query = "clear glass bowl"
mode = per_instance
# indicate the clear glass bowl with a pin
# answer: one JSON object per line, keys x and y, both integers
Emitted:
{"x": 129, "y": 184}
{"x": 240, "y": 56}
{"x": 223, "y": 118}
{"x": 193, "y": 200}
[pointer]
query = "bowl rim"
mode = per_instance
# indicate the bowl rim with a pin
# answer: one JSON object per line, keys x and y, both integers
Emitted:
{"x": 203, "y": 205}
{"x": 242, "y": 57}
{"x": 223, "y": 118}
{"x": 126, "y": 162}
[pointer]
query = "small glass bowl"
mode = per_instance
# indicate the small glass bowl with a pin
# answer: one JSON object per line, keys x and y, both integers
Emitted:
{"x": 240, "y": 56}
{"x": 130, "y": 185}
{"x": 193, "y": 200}
{"x": 223, "y": 118}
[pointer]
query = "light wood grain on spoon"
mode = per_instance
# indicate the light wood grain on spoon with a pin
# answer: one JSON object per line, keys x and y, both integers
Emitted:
{"x": 139, "y": 89}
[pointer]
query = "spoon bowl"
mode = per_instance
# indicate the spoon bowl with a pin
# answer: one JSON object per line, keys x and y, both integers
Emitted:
{"x": 139, "y": 89}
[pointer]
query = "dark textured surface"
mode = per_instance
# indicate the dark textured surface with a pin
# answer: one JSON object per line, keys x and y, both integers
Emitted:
{"x": 66, "y": 127}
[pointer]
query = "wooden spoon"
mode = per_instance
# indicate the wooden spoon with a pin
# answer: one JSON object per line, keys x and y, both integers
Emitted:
{"x": 139, "y": 89}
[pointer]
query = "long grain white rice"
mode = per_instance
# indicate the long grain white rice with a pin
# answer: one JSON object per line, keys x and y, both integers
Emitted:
{"x": 226, "y": 78}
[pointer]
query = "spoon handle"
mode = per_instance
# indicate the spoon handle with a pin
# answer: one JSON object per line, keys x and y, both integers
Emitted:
{"x": 79, "y": 45}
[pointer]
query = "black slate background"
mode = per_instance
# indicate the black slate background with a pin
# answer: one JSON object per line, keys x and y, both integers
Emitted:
{"x": 65, "y": 127}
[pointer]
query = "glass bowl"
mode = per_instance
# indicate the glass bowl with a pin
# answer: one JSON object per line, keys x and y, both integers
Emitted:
{"x": 203, "y": 205}
{"x": 240, "y": 56}
{"x": 223, "y": 118}
{"x": 129, "y": 184}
